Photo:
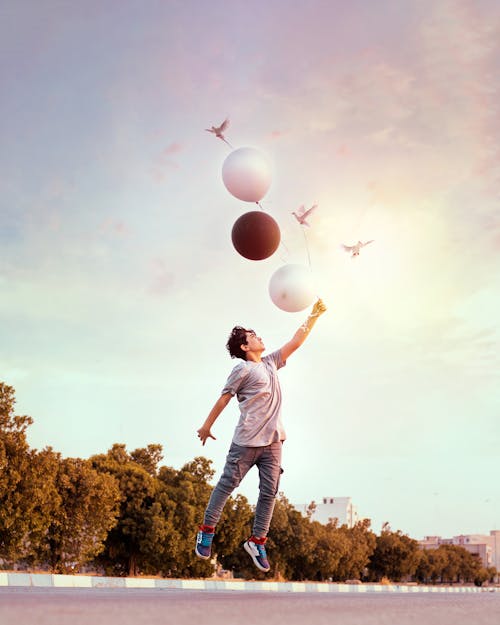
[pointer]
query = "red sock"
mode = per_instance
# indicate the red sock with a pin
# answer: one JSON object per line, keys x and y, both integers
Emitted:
{"x": 209, "y": 529}
{"x": 258, "y": 541}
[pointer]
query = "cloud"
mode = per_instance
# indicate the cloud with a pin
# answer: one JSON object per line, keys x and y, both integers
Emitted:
{"x": 276, "y": 134}
{"x": 173, "y": 148}
{"x": 113, "y": 226}
{"x": 162, "y": 280}
{"x": 164, "y": 162}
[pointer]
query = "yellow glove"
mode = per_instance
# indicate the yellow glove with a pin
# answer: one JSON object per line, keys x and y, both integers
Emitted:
{"x": 317, "y": 310}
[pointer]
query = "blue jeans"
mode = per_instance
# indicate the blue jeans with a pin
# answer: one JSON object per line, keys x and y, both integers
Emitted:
{"x": 238, "y": 462}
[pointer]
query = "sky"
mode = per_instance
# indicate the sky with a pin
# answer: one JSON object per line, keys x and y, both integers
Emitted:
{"x": 119, "y": 283}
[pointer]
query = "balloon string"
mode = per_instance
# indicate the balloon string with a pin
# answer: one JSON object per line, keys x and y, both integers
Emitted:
{"x": 284, "y": 259}
{"x": 308, "y": 255}
{"x": 307, "y": 248}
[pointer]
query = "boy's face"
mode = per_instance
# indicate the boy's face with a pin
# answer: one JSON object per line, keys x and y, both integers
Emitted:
{"x": 254, "y": 343}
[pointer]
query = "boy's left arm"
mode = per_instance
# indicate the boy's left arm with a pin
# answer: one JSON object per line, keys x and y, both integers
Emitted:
{"x": 300, "y": 336}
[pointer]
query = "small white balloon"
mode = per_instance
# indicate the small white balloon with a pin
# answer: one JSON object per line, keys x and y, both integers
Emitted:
{"x": 246, "y": 173}
{"x": 292, "y": 288}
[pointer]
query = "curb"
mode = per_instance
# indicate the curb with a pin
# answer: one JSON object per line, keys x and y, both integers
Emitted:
{"x": 48, "y": 580}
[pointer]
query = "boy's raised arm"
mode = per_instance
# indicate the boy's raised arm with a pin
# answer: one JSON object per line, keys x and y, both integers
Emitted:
{"x": 300, "y": 336}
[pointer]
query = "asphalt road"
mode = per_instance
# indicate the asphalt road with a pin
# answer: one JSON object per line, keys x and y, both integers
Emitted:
{"x": 96, "y": 606}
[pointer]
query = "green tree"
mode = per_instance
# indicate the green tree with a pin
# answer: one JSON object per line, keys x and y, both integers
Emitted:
{"x": 423, "y": 567}
{"x": 355, "y": 558}
{"x": 394, "y": 556}
{"x": 88, "y": 509}
{"x": 233, "y": 529}
{"x": 450, "y": 564}
{"x": 28, "y": 495}
{"x": 451, "y": 567}
{"x": 148, "y": 458}
{"x": 438, "y": 560}
{"x": 292, "y": 542}
{"x": 302, "y": 549}
{"x": 331, "y": 548}
{"x": 187, "y": 492}
{"x": 492, "y": 574}
{"x": 482, "y": 575}
{"x": 136, "y": 543}
{"x": 280, "y": 544}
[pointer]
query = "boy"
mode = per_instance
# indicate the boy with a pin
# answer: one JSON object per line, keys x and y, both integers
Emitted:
{"x": 258, "y": 436}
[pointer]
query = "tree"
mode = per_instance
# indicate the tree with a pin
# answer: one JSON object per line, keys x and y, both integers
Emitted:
{"x": 438, "y": 560}
{"x": 361, "y": 543}
{"x": 332, "y": 546}
{"x": 492, "y": 574}
{"x": 280, "y": 542}
{"x": 136, "y": 542}
{"x": 482, "y": 575}
{"x": 27, "y": 484}
{"x": 187, "y": 492}
{"x": 451, "y": 566}
{"x": 450, "y": 563}
{"x": 148, "y": 458}
{"x": 88, "y": 509}
{"x": 423, "y": 567}
{"x": 233, "y": 529}
{"x": 394, "y": 556}
{"x": 292, "y": 542}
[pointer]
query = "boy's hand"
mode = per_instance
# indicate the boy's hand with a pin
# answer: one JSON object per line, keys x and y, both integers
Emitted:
{"x": 318, "y": 308}
{"x": 204, "y": 434}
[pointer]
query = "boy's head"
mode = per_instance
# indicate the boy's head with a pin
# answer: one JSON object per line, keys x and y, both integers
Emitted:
{"x": 239, "y": 339}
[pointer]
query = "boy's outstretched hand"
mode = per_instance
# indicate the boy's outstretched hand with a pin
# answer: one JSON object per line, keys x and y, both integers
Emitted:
{"x": 318, "y": 309}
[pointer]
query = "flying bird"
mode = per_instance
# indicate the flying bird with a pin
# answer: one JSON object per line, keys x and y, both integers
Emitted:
{"x": 218, "y": 131}
{"x": 302, "y": 214}
{"x": 354, "y": 249}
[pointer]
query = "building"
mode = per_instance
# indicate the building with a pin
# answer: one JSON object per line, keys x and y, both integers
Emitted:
{"x": 339, "y": 509}
{"x": 484, "y": 546}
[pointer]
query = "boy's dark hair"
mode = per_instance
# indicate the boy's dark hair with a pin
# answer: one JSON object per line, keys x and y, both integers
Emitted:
{"x": 237, "y": 338}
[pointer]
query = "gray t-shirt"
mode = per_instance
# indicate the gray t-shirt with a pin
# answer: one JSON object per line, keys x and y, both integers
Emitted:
{"x": 257, "y": 388}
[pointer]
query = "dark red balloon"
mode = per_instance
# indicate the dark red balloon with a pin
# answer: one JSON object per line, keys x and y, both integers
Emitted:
{"x": 256, "y": 235}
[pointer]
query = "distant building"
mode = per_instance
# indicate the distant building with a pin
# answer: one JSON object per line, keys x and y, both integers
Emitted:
{"x": 486, "y": 547}
{"x": 339, "y": 509}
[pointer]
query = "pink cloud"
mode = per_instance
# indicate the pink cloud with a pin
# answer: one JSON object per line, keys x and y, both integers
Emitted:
{"x": 162, "y": 279}
{"x": 164, "y": 162}
{"x": 277, "y": 134}
{"x": 173, "y": 148}
{"x": 118, "y": 228}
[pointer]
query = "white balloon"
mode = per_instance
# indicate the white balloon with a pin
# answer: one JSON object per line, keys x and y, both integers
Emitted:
{"x": 292, "y": 288}
{"x": 246, "y": 173}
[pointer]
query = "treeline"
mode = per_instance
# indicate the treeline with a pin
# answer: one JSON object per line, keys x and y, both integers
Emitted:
{"x": 123, "y": 513}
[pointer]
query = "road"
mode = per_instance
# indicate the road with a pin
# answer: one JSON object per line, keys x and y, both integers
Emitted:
{"x": 119, "y": 606}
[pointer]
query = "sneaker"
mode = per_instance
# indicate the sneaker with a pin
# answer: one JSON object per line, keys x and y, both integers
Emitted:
{"x": 255, "y": 547}
{"x": 204, "y": 541}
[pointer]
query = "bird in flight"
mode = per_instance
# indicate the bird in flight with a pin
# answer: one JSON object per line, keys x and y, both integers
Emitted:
{"x": 302, "y": 214}
{"x": 354, "y": 249}
{"x": 218, "y": 131}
